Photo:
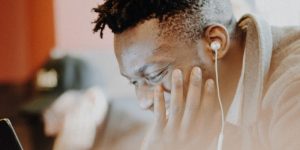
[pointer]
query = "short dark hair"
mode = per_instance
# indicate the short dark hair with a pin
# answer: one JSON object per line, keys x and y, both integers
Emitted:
{"x": 120, "y": 15}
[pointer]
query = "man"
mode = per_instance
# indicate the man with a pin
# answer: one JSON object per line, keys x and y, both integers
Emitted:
{"x": 161, "y": 46}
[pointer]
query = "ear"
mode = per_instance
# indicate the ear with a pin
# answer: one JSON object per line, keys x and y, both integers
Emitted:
{"x": 217, "y": 32}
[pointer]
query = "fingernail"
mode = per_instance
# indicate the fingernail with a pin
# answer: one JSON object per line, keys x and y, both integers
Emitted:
{"x": 177, "y": 75}
{"x": 197, "y": 72}
{"x": 209, "y": 84}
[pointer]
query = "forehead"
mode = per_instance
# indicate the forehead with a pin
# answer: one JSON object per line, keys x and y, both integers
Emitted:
{"x": 135, "y": 46}
{"x": 143, "y": 35}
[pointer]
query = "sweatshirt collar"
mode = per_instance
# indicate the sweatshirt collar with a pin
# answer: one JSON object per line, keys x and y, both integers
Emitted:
{"x": 256, "y": 62}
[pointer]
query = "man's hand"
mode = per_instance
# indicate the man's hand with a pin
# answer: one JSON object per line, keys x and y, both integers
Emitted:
{"x": 193, "y": 122}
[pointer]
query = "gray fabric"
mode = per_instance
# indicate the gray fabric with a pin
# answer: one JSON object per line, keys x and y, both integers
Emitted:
{"x": 271, "y": 101}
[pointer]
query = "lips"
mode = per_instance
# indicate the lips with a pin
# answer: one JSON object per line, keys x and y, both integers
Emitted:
{"x": 149, "y": 104}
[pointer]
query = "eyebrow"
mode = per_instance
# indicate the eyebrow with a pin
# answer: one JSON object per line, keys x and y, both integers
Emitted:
{"x": 142, "y": 69}
{"x": 139, "y": 70}
{"x": 124, "y": 75}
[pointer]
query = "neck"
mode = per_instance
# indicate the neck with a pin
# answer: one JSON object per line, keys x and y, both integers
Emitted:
{"x": 230, "y": 69}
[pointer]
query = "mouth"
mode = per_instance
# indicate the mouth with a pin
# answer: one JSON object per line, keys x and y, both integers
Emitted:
{"x": 149, "y": 104}
{"x": 167, "y": 110}
{"x": 167, "y": 106}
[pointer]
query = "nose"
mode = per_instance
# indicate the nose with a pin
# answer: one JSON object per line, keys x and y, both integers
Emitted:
{"x": 145, "y": 95}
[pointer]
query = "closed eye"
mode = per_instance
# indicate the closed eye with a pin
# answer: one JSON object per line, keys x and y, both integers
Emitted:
{"x": 156, "y": 78}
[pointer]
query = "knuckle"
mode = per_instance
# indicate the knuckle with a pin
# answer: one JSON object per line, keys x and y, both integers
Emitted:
{"x": 176, "y": 110}
{"x": 156, "y": 100}
{"x": 177, "y": 85}
{"x": 196, "y": 83}
{"x": 192, "y": 107}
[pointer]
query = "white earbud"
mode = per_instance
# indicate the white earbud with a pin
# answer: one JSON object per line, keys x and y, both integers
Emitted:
{"x": 215, "y": 45}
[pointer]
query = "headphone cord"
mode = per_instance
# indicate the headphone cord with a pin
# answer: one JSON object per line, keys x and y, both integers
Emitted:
{"x": 221, "y": 135}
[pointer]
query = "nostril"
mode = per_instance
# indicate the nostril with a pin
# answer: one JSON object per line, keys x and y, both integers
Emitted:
{"x": 166, "y": 89}
{"x": 146, "y": 104}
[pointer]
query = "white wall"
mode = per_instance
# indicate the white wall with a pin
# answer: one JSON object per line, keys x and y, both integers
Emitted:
{"x": 276, "y": 12}
{"x": 280, "y": 12}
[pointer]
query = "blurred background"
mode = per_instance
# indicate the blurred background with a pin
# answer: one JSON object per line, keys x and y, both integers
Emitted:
{"x": 36, "y": 33}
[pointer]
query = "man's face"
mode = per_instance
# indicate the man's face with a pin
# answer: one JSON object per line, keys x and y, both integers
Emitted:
{"x": 147, "y": 59}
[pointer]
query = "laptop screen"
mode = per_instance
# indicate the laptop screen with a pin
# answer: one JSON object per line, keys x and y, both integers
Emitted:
{"x": 8, "y": 137}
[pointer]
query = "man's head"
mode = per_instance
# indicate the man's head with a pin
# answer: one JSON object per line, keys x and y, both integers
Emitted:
{"x": 153, "y": 37}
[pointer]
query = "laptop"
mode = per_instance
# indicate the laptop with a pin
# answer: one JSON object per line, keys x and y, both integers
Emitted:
{"x": 8, "y": 137}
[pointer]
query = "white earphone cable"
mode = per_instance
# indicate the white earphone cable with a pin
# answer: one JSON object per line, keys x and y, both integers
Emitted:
{"x": 221, "y": 135}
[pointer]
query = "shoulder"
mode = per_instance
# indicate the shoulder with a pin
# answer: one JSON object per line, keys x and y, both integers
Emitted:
{"x": 281, "y": 116}
{"x": 285, "y": 60}
{"x": 284, "y": 72}
{"x": 283, "y": 84}
{"x": 283, "y": 37}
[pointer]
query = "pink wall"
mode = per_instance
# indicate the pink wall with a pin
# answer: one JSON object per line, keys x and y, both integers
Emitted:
{"x": 74, "y": 28}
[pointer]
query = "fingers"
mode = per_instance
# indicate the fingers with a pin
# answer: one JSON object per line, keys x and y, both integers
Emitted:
{"x": 177, "y": 100}
{"x": 156, "y": 130}
{"x": 209, "y": 104}
{"x": 210, "y": 110}
{"x": 193, "y": 99}
{"x": 183, "y": 113}
{"x": 159, "y": 108}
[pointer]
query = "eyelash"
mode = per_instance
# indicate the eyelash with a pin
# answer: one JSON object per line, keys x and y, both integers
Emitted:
{"x": 154, "y": 79}
{"x": 158, "y": 77}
